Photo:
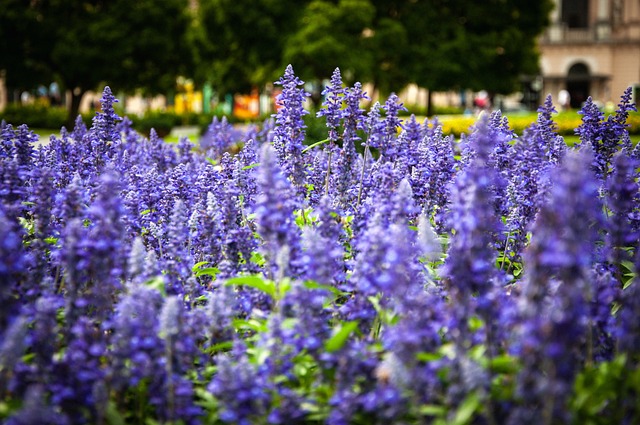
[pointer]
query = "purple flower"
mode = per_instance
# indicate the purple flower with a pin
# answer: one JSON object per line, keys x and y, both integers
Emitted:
{"x": 137, "y": 350}
{"x": 180, "y": 351}
{"x": 13, "y": 343}
{"x": 289, "y": 132}
{"x": 333, "y": 96}
{"x": 375, "y": 127}
{"x": 622, "y": 190}
{"x": 244, "y": 173}
{"x": 80, "y": 371}
{"x": 23, "y": 151}
{"x": 220, "y": 136}
{"x": 432, "y": 173}
{"x": 36, "y": 410}
{"x": 242, "y": 392}
{"x": 79, "y": 129}
{"x": 274, "y": 210}
{"x": 546, "y": 130}
{"x": 238, "y": 241}
{"x": 105, "y": 122}
{"x": 604, "y": 137}
{"x": 554, "y": 311}
{"x": 176, "y": 256}
{"x": 13, "y": 265}
{"x": 392, "y": 124}
{"x": 469, "y": 269}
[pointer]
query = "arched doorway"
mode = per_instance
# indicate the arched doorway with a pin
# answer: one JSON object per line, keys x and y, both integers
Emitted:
{"x": 578, "y": 84}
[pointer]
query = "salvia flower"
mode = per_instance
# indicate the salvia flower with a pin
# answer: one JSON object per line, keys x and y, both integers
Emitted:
{"x": 36, "y": 410}
{"x": 554, "y": 310}
{"x": 622, "y": 190}
{"x": 241, "y": 391}
{"x": 289, "y": 132}
{"x": 274, "y": 210}
{"x": 332, "y": 111}
{"x": 105, "y": 122}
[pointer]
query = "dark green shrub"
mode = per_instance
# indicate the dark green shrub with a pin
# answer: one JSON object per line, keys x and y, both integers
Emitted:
{"x": 35, "y": 116}
{"x": 161, "y": 122}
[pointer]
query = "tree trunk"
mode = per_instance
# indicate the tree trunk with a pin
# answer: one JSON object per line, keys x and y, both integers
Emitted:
{"x": 429, "y": 104}
{"x": 74, "y": 107}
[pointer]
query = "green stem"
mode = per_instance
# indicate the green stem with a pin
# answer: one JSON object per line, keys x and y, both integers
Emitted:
{"x": 504, "y": 252}
{"x": 364, "y": 166}
{"x": 326, "y": 180}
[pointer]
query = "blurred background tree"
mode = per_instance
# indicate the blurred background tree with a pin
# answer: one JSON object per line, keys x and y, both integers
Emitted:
{"x": 237, "y": 45}
{"x": 329, "y": 34}
{"x": 241, "y": 41}
{"x": 486, "y": 45}
{"x": 131, "y": 45}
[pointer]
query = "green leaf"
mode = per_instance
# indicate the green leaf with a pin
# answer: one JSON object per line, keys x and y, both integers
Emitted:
{"x": 256, "y": 282}
{"x": 340, "y": 336}
{"x": 428, "y": 357}
{"x": 257, "y": 258}
{"x": 112, "y": 415}
{"x": 628, "y": 265}
{"x": 221, "y": 346}
{"x": 207, "y": 400}
{"x": 51, "y": 240}
{"x": 207, "y": 271}
{"x": 467, "y": 409}
{"x": 432, "y": 410}
{"x": 250, "y": 324}
{"x": 448, "y": 350}
{"x": 157, "y": 283}
{"x": 503, "y": 364}
{"x": 475, "y": 323}
{"x": 248, "y": 167}
{"x": 313, "y": 145}
{"x": 197, "y": 266}
{"x": 145, "y": 212}
{"x": 310, "y": 284}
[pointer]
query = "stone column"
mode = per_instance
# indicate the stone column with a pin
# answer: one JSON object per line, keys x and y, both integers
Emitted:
{"x": 555, "y": 30}
{"x": 603, "y": 22}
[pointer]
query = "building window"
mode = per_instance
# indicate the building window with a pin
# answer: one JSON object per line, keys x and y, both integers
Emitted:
{"x": 575, "y": 13}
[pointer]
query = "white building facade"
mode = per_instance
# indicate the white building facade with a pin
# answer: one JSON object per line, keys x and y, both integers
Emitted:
{"x": 592, "y": 48}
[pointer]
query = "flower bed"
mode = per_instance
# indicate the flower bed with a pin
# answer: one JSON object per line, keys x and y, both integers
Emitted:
{"x": 253, "y": 279}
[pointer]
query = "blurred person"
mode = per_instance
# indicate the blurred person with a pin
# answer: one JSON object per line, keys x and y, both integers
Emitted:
{"x": 564, "y": 99}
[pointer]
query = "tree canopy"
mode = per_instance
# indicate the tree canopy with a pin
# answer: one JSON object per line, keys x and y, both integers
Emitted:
{"x": 240, "y": 44}
{"x": 438, "y": 44}
{"x": 241, "y": 41}
{"x": 84, "y": 43}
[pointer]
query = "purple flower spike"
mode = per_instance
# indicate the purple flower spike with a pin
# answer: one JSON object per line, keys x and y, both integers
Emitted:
{"x": 274, "y": 209}
{"x": 334, "y": 95}
{"x": 554, "y": 311}
{"x": 290, "y": 128}
{"x": 105, "y": 122}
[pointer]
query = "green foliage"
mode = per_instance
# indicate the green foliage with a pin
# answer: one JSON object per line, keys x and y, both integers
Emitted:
{"x": 603, "y": 393}
{"x": 437, "y": 44}
{"x": 38, "y": 116}
{"x": 327, "y": 34}
{"x": 340, "y": 336}
{"x": 82, "y": 44}
{"x": 240, "y": 42}
{"x": 161, "y": 122}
